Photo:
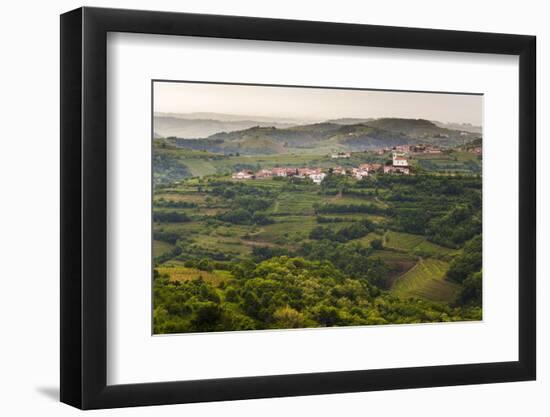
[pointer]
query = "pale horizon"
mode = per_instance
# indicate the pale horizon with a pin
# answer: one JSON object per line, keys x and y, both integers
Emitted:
{"x": 314, "y": 104}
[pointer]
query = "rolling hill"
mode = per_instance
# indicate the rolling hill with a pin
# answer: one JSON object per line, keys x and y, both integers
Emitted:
{"x": 319, "y": 138}
{"x": 465, "y": 127}
{"x": 201, "y": 128}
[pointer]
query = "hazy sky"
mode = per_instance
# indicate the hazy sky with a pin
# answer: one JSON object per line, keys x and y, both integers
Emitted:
{"x": 314, "y": 103}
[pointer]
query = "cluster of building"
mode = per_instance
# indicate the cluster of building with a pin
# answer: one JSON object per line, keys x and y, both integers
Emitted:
{"x": 315, "y": 174}
{"x": 399, "y": 165}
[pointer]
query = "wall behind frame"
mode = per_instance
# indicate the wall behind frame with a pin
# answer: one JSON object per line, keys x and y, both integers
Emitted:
{"x": 29, "y": 225}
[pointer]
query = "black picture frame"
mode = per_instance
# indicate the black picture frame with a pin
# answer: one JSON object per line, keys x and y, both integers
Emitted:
{"x": 84, "y": 207}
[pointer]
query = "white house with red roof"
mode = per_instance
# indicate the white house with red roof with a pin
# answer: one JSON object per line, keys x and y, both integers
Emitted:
{"x": 243, "y": 175}
{"x": 400, "y": 164}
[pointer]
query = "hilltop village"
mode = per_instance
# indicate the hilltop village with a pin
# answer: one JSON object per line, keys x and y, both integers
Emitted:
{"x": 399, "y": 165}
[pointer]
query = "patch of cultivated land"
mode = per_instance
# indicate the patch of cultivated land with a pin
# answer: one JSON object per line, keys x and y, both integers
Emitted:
{"x": 286, "y": 230}
{"x": 187, "y": 196}
{"x": 410, "y": 243}
{"x": 296, "y": 203}
{"x": 160, "y": 248}
{"x": 366, "y": 240}
{"x": 376, "y": 219}
{"x": 426, "y": 280}
{"x": 182, "y": 273}
{"x": 353, "y": 200}
{"x": 399, "y": 263}
{"x": 402, "y": 241}
{"x": 233, "y": 230}
{"x": 392, "y": 256}
{"x": 232, "y": 246}
{"x": 200, "y": 167}
{"x": 458, "y": 162}
{"x": 183, "y": 229}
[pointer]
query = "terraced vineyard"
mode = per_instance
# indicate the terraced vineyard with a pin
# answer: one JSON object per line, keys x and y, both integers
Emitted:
{"x": 426, "y": 279}
{"x": 405, "y": 242}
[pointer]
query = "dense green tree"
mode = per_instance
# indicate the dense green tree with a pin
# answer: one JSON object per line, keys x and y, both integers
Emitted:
{"x": 169, "y": 217}
{"x": 468, "y": 262}
{"x": 471, "y": 293}
{"x": 376, "y": 244}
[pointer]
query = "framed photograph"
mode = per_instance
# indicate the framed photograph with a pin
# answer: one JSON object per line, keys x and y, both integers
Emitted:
{"x": 258, "y": 208}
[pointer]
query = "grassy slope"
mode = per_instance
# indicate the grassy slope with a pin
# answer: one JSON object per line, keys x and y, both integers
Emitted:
{"x": 413, "y": 243}
{"x": 458, "y": 161}
{"x": 200, "y": 167}
{"x": 296, "y": 203}
{"x": 160, "y": 248}
{"x": 178, "y": 272}
{"x": 229, "y": 245}
{"x": 366, "y": 240}
{"x": 426, "y": 280}
{"x": 286, "y": 230}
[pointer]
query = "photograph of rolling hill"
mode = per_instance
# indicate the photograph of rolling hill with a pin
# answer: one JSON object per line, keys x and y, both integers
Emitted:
{"x": 297, "y": 207}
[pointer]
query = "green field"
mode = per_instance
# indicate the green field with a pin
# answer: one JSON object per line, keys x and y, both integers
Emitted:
{"x": 177, "y": 272}
{"x": 414, "y": 244}
{"x": 426, "y": 280}
{"x": 289, "y": 203}
{"x": 235, "y": 246}
{"x": 402, "y": 241}
{"x": 366, "y": 240}
{"x": 453, "y": 162}
{"x": 161, "y": 248}
{"x": 285, "y": 230}
{"x": 201, "y": 168}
